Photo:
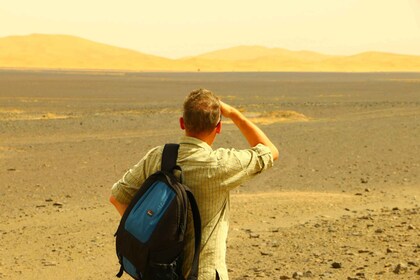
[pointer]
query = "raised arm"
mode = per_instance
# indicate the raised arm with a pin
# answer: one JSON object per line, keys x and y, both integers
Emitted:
{"x": 252, "y": 133}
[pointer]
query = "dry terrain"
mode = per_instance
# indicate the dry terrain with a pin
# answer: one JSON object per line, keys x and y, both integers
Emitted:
{"x": 342, "y": 202}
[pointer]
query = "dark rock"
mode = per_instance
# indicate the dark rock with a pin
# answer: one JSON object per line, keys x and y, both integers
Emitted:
{"x": 363, "y": 251}
{"x": 400, "y": 268}
{"x": 336, "y": 265}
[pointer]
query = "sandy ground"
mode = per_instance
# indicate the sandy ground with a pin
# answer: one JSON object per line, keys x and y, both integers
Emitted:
{"x": 341, "y": 203}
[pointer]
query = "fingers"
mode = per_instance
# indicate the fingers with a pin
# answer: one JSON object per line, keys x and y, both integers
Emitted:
{"x": 225, "y": 109}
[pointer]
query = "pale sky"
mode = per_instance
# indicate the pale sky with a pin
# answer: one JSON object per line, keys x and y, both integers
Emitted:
{"x": 181, "y": 28}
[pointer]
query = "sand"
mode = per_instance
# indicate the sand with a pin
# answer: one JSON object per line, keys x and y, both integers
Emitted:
{"x": 342, "y": 202}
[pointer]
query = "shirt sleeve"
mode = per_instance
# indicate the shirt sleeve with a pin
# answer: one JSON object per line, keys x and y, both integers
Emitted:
{"x": 125, "y": 189}
{"x": 242, "y": 165}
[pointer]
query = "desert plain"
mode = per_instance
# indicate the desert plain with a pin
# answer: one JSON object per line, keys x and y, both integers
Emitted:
{"x": 342, "y": 202}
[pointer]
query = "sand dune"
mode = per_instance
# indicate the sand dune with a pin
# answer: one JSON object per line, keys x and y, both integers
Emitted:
{"x": 68, "y": 52}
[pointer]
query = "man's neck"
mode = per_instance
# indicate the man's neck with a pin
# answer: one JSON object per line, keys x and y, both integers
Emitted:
{"x": 208, "y": 138}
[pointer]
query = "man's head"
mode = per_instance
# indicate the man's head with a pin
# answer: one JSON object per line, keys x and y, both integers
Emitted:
{"x": 201, "y": 112}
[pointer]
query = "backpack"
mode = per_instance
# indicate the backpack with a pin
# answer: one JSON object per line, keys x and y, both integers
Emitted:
{"x": 151, "y": 235}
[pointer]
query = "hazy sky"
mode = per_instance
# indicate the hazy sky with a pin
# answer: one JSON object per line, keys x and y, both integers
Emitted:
{"x": 189, "y": 27}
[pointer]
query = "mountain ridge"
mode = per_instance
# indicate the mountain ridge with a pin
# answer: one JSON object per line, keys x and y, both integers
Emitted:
{"x": 42, "y": 51}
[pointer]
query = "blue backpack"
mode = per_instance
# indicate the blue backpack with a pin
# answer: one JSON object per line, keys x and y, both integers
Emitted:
{"x": 151, "y": 235}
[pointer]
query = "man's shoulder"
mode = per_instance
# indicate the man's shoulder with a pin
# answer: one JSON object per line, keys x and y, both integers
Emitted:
{"x": 153, "y": 155}
{"x": 258, "y": 149}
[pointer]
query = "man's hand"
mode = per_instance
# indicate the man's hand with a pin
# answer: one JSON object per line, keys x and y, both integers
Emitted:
{"x": 119, "y": 206}
{"x": 226, "y": 109}
{"x": 249, "y": 130}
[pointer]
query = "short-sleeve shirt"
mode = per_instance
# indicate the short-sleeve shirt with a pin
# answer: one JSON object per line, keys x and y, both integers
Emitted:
{"x": 210, "y": 174}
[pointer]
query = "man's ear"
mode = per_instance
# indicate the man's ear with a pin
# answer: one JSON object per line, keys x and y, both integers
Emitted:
{"x": 181, "y": 123}
{"x": 219, "y": 128}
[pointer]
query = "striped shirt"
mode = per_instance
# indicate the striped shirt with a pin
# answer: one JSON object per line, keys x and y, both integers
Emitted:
{"x": 210, "y": 174}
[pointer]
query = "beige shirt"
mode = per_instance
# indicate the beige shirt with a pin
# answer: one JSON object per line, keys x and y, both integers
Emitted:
{"x": 210, "y": 174}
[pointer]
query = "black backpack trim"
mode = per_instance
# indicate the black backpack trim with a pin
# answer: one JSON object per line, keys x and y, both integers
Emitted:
{"x": 127, "y": 245}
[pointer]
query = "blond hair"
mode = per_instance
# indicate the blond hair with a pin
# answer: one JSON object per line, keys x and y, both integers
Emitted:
{"x": 201, "y": 111}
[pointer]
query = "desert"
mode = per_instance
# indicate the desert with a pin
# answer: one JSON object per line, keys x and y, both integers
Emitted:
{"x": 342, "y": 202}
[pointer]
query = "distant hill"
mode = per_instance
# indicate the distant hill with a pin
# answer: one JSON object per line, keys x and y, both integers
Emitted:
{"x": 257, "y": 52}
{"x": 69, "y": 52}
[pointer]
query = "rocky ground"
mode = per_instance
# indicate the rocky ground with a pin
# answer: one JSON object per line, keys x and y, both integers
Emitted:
{"x": 328, "y": 236}
{"x": 341, "y": 203}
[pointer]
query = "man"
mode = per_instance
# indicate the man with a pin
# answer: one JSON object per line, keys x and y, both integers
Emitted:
{"x": 210, "y": 174}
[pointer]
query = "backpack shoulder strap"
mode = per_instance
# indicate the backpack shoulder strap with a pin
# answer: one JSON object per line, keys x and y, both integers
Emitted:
{"x": 169, "y": 157}
{"x": 197, "y": 236}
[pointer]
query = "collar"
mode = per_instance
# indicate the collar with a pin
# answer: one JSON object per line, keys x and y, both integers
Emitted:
{"x": 195, "y": 141}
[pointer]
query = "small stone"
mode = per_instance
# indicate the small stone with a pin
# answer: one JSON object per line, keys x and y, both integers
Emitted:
{"x": 363, "y": 251}
{"x": 263, "y": 253}
{"x": 58, "y": 204}
{"x": 400, "y": 268}
{"x": 49, "y": 263}
{"x": 284, "y": 277}
{"x": 297, "y": 275}
{"x": 48, "y": 200}
{"x": 254, "y": 235}
{"x": 379, "y": 230}
{"x": 336, "y": 265}
{"x": 411, "y": 227}
{"x": 364, "y": 180}
{"x": 352, "y": 278}
{"x": 413, "y": 263}
{"x": 308, "y": 274}
{"x": 367, "y": 190}
{"x": 358, "y": 194}
{"x": 390, "y": 250}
